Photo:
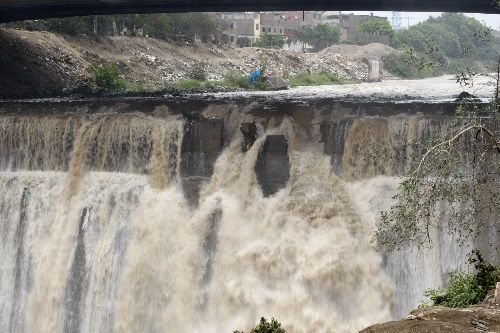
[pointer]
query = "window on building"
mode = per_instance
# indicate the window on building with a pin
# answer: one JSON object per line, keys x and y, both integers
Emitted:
{"x": 263, "y": 29}
{"x": 281, "y": 31}
{"x": 232, "y": 39}
{"x": 269, "y": 30}
{"x": 231, "y": 25}
{"x": 257, "y": 27}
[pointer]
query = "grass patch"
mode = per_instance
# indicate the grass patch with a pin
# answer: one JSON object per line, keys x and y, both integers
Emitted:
{"x": 234, "y": 79}
{"x": 317, "y": 79}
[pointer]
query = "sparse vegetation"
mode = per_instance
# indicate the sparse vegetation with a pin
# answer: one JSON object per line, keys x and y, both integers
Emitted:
{"x": 187, "y": 26}
{"x": 401, "y": 64}
{"x": 236, "y": 80}
{"x": 198, "y": 71}
{"x": 316, "y": 79}
{"x": 267, "y": 327}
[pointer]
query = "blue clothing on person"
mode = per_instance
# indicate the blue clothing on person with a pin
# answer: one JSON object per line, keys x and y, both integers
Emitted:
{"x": 254, "y": 76}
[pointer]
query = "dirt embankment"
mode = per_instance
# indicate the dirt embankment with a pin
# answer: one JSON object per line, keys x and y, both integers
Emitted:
{"x": 38, "y": 63}
{"x": 484, "y": 317}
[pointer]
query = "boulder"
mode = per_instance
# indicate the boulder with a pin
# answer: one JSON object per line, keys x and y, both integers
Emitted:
{"x": 277, "y": 82}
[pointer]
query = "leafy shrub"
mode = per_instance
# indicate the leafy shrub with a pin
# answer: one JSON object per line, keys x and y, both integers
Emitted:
{"x": 107, "y": 76}
{"x": 198, "y": 72}
{"x": 466, "y": 289}
{"x": 267, "y": 327}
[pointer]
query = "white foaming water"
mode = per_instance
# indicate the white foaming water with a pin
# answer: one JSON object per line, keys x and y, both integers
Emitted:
{"x": 413, "y": 271}
{"x": 122, "y": 252}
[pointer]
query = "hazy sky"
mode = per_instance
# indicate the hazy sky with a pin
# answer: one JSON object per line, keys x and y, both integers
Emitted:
{"x": 491, "y": 20}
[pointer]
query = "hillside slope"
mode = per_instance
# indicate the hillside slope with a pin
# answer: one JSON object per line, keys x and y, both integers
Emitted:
{"x": 39, "y": 63}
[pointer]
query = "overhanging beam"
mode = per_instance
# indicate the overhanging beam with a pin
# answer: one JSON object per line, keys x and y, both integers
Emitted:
{"x": 15, "y": 10}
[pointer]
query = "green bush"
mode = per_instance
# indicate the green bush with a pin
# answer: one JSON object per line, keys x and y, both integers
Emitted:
{"x": 267, "y": 327}
{"x": 466, "y": 289}
{"x": 107, "y": 76}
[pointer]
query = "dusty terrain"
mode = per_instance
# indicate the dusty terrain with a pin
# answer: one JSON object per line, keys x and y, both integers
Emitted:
{"x": 37, "y": 63}
{"x": 483, "y": 317}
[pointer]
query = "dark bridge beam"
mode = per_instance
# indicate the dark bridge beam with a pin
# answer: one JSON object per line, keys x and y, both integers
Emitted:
{"x": 15, "y": 10}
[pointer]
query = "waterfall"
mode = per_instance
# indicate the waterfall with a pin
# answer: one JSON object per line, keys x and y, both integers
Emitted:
{"x": 144, "y": 222}
{"x": 98, "y": 236}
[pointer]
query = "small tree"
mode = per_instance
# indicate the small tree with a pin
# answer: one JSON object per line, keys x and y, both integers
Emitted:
{"x": 321, "y": 36}
{"x": 376, "y": 26}
{"x": 270, "y": 41}
{"x": 267, "y": 327}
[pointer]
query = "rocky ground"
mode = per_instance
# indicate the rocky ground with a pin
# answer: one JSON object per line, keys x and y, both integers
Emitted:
{"x": 37, "y": 63}
{"x": 483, "y": 317}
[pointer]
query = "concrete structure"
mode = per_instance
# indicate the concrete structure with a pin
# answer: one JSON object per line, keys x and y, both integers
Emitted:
{"x": 348, "y": 24}
{"x": 373, "y": 70}
{"x": 241, "y": 25}
{"x": 12, "y": 10}
{"x": 289, "y": 23}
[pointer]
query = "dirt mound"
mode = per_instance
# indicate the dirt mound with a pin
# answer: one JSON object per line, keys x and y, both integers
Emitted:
{"x": 37, "y": 63}
{"x": 365, "y": 52}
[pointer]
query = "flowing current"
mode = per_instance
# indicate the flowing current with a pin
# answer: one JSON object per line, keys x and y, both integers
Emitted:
{"x": 98, "y": 236}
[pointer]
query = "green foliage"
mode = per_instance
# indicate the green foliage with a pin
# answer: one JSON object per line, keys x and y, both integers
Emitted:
{"x": 454, "y": 35}
{"x": 321, "y": 36}
{"x": 270, "y": 41}
{"x": 376, "y": 26}
{"x": 466, "y": 289}
{"x": 403, "y": 65}
{"x": 462, "y": 291}
{"x": 107, "y": 77}
{"x": 243, "y": 42}
{"x": 267, "y": 327}
{"x": 316, "y": 79}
